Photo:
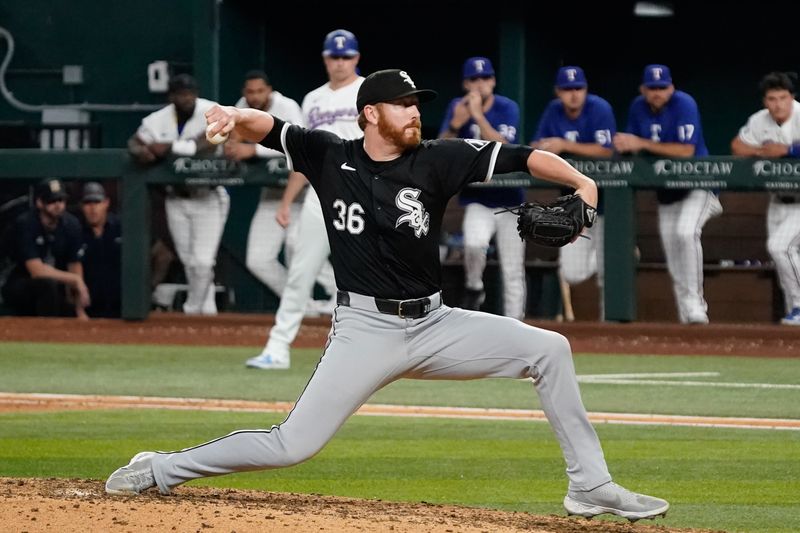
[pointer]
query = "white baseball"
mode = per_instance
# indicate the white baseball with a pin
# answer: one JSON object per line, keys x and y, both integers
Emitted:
{"x": 218, "y": 137}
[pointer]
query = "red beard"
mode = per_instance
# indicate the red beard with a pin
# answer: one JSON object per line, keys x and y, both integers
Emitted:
{"x": 406, "y": 137}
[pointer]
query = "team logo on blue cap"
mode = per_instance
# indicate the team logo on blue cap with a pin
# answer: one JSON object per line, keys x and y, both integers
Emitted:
{"x": 570, "y": 78}
{"x": 340, "y": 43}
{"x": 657, "y": 76}
{"x": 476, "y": 67}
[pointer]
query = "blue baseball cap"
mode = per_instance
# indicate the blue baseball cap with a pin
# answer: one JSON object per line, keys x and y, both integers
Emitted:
{"x": 571, "y": 78}
{"x": 475, "y": 67}
{"x": 340, "y": 43}
{"x": 656, "y": 77}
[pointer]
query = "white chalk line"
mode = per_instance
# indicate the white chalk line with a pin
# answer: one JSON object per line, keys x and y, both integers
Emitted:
{"x": 79, "y": 401}
{"x": 638, "y": 379}
{"x": 635, "y": 375}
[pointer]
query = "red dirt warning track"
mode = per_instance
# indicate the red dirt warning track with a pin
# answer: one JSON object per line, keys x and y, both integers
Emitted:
{"x": 230, "y": 329}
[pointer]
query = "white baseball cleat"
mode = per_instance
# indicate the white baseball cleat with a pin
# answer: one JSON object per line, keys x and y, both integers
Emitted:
{"x": 614, "y": 499}
{"x": 133, "y": 478}
{"x": 266, "y": 361}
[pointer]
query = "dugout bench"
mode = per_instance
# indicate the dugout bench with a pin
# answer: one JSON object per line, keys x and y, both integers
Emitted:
{"x": 618, "y": 177}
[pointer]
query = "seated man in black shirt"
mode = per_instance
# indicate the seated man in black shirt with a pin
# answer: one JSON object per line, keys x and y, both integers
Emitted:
{"x": 45, "y": 245}
{"x": 102, "y": 259}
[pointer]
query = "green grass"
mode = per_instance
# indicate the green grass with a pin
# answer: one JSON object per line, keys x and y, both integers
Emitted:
{"x": 219, "y": 372}
{"x": 736, "y": 480}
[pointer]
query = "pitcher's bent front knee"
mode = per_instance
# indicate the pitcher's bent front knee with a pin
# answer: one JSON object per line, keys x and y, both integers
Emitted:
{"x": 551, "y": 351}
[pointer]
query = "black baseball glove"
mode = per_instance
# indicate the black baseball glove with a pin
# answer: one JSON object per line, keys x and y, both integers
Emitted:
{"x": 555, "y": 224}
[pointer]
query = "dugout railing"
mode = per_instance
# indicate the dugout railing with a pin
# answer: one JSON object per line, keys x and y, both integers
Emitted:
{"x": 619, "y": 178}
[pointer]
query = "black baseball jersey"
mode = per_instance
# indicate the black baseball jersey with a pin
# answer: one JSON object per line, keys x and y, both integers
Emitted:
{"x": 28, "y": 239}
{"x": 102, "y": 268}
{"x": 384, "y": 218}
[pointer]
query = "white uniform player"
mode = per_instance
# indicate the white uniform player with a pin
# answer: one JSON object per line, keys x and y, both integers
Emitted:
{"x": 331, "y": 107}
{"x": 266, "y": 236}
{"x": 196, "y": 215}
{"x": 771, "y": 133}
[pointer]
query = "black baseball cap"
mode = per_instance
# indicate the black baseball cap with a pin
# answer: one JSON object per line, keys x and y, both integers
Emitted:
{"x": 49, "y": 190}
{"x": 388, "y": 85}
{"x": 93, "y": 192}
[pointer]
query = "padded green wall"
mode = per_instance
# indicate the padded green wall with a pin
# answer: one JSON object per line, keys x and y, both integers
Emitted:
{"x": 705, "y": 47}
{"x": 114, "y": 43}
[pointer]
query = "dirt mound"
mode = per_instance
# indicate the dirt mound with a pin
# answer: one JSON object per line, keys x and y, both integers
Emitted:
{"x": 70, "y": 505}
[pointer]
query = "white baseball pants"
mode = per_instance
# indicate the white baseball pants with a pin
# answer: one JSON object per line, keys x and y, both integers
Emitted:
{"x": 310, "y": 255}
{"x": 584, "y": 257}
{"x": 479, "y": 224}
{"x": 681, "y": 225}
{"x": 264, "y": 242}
{"x": 783, "y": 244}
{"x": 196, "y": 226}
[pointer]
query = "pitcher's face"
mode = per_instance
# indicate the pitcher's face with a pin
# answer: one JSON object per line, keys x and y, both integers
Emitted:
{"x": 399, "y": 122}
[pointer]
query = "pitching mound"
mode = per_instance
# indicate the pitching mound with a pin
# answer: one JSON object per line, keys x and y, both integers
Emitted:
{"x": 70, "y": 505}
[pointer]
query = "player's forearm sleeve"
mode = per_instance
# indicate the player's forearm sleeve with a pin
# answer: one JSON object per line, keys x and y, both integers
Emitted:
{"x": 512, "y": 158}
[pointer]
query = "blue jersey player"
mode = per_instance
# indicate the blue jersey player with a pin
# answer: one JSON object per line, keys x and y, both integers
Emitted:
{"x": 576, "y": 122}
{"x": 482, "y": 114}
{"x": 582, "y": 124}
{"x": 665, "y": 122}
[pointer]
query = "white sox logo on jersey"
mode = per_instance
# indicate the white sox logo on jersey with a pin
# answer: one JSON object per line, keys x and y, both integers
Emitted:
{"x": 415, "y": 216}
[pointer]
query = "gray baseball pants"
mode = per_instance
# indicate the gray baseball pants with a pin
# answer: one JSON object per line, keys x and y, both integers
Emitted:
{"x": 367, "y": 350}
